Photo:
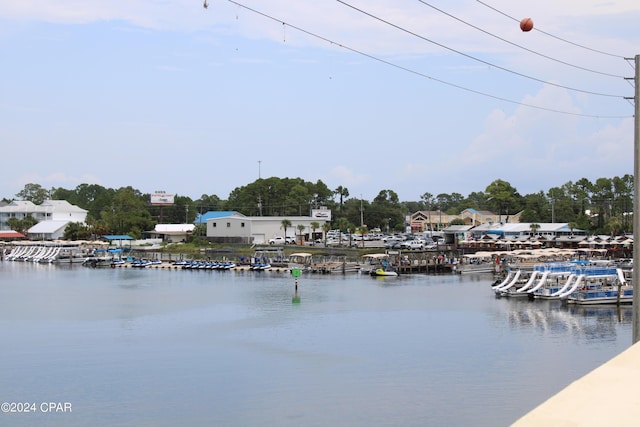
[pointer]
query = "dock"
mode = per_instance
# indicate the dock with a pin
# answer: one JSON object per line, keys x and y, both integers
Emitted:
{"x": 606, "y": 396}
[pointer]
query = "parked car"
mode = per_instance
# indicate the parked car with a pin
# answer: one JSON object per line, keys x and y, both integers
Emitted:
{"x": 393, "y": 244}
{"x": 279, "y": 240}
{"x": 417, "y": 245}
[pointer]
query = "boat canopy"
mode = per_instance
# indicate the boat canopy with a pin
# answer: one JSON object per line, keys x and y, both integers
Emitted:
{"x": 376, "y": 256}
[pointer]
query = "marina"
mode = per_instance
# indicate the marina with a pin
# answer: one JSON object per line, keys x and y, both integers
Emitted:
{"x": 240, "y": 347}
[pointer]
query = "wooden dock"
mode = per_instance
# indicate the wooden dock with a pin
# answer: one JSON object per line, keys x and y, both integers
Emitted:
{"x": 427, "y": 268}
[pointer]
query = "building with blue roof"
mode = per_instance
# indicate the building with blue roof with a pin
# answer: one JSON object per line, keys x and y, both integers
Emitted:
{"x": 234, "y": 227}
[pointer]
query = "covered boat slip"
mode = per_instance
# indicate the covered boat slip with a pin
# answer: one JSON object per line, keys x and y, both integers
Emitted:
{"x": 48, "y": 252}
{"x": 527, "y": 259}
{"x": 408, "y": 263}
{"x": 571, "y": 282}
{"x": 309, "y": 263}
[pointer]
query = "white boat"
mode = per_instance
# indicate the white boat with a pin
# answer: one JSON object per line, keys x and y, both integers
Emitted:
{"x": 607, "y": 288}
{"x": 480, "y": 262}
{"x": 594, "y": 285}
{"x": 260, "y": 266}
{"x": 300, "y": 260}
{"x": 516, "y": 286}
{"x": 98, "y": 261}
{"x": 555, "y": 277}
{"x": 384, "y": 272}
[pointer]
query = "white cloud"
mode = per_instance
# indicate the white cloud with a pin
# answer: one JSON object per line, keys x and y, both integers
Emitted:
{"x": 347, "y": 177}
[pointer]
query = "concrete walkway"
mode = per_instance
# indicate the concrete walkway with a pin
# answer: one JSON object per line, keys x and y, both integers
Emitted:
{"x": 607, "y": 396}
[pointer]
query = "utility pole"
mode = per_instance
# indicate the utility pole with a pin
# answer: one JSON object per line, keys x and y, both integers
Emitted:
{"x": 636, "y": 205}
{"x": 361, "y": 213}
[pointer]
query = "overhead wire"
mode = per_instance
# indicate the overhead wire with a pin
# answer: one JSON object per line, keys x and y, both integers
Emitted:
{"x": 466, "y": 55}
{"x": 551, "y": 35}
{"x": 517, "y": 45}
{"x": 420, "y": 74}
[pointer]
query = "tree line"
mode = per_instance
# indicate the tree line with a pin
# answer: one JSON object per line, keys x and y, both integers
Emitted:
{"x": 601, "y": 207}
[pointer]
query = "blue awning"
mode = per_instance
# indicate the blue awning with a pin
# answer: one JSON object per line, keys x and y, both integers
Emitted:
{"x": 117, "y": 237}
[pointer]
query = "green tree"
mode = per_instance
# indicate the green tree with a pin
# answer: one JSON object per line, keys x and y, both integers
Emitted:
{"x": 22, "y": 225}
{"x": 277, "y": 197}
{"x": 342, "y": 193}
{"x": 602, "y": 199}
{"x": 534, "y": 229}
{"x": 326, "y": 227}
{"x": 299, "y": 196}
{"x": 429, "y": 201}
{"x": 314, "y": 226}
{"x": 385, "y": 208}
{"x": 208, "y": 203}
{"x": 363, "y": 230}
{"x": 76, "y": 231}
{"x": 342, "y": 224}
{"x": 128, "y": 213}
{"x": 614, "y": 226}
{"x": 301, "y": 228}
{"x": 284, "y": 224}
{"x": 183, "y": 211}
{"x": 321, "y": 195}
{"x": 581, "y": 193}
{"x": 34, "y": 193}
{"x": 504, "y": 197}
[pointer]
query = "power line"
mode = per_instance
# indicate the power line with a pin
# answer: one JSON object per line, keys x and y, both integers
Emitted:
{"x": 466, "y": 55}
{"x": 519, "y": 46}
{"x": 551, "y": 35}
{"x": 420, "y": 74}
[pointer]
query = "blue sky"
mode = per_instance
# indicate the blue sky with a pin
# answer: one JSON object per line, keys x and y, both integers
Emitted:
{"x": 167, "y": 95}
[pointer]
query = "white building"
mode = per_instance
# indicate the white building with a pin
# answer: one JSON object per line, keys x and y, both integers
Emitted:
{"x": 523, "y": 230}
{"x": 172, "y": 233}
{"x": 52, "y": 216}
{"x": 233, "y": 227}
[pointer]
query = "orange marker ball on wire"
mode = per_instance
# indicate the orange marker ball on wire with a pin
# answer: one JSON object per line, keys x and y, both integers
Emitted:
{"x": 526, "y": 24}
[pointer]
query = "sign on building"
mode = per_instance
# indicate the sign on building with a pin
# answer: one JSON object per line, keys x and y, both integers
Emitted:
{"x": 324, "y": 214}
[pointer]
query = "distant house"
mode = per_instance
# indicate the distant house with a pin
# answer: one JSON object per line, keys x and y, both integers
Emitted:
{"x": 475, "y": 217}
{"x": 456, "y": 233}
{"x": 11, "y": 235}
{"x": 48, "y": 230}
{"x": 55, "y": 213}
{"x": 172, "y": 233}
{"x": 429, "y": 221}
{"x": 523, "y": 230}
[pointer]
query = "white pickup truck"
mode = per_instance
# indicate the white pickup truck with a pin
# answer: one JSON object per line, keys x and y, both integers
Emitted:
{"x": 279, "y": 240}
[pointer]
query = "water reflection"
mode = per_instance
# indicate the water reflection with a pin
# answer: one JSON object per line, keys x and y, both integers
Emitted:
{"x": 555, "y": 318}
{"x": 230, "y": 348}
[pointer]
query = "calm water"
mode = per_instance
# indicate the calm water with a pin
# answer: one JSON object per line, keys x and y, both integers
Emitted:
{"x": 148, "y": 347}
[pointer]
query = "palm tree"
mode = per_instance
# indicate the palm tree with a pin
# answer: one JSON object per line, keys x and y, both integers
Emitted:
{"x": 614, "y": 225}
{"x": 342, "y": 192}
{"x": 534, "y": 228}
{"x": 326, "y": 227}
{"x": 301, "y": 228}
{"x": 363, "y": 230}
{"x": 342, "y": 223}
{"x": 284, "y": 224}
{"x": 314, "y": 226}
